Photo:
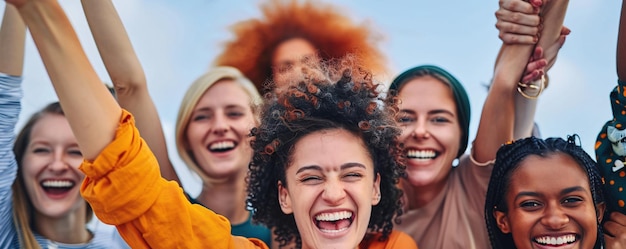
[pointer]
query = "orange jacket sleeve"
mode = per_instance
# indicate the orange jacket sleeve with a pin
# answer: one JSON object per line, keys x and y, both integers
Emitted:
{"x": 125, "y": 189}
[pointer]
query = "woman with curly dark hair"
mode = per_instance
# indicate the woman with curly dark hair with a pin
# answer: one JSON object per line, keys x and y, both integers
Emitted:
{"x": 269, "y": 49}
{"x": 544, "y": 193}
{"x": 299, "y": 184}
{"x": 335, "y": 180}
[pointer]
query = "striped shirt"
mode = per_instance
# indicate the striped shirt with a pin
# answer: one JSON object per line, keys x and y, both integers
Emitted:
{"x": 10, "y": 107}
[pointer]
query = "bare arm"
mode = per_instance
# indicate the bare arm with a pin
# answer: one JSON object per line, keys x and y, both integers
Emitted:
{"x": 12, "y": 38}
{"x": 90, "y": 109}
{"x": 498, "y": 113}
{"x": 621, "y": 45}
{"x": 128, "y": 77}
{"x": 518, "y": 23}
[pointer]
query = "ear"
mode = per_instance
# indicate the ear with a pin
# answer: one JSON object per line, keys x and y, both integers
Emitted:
{"x": 600, "y": 209}
{"x": 376, "y": 191}
{"x": 284, "y": 199}
{"x": 503, "y": 221}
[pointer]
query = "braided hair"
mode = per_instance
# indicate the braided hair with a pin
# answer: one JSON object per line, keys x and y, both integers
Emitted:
{"x": 314, "y": 103}
{"x": 509, "y": 158}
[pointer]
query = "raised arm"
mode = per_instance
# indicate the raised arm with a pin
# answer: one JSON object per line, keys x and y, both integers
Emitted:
{"x": 518, "y": 23}
{"x": 621, "y": 45}
{"x": 498, "y": 112}
{"x": 12, "y": 38}
{"x": 91, "y": 110}
{"x": 128, "y": 77}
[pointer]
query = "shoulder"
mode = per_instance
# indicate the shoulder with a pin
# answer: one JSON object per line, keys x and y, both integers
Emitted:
{"x": 107, "y": 238}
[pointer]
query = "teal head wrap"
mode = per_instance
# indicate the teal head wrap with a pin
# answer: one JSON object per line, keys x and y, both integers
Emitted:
{"x": 460, "y": 95}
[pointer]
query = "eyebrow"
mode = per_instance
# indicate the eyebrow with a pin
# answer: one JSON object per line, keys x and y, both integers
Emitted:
{"x": 230, "y": 106}
{"x": 437, "y": 111}
{"x": 563, "y": 192}
{"x": 318, "y": 168}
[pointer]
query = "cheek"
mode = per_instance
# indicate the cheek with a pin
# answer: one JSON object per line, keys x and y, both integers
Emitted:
{"x": 75, "y": 163}
{"x": 31, "y": 166}
{"x": 406, "y": 132}
{"x": 193, "y": 134}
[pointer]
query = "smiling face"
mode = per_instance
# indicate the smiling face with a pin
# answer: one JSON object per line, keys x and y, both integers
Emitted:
{"x": 217, "y": 133}
{"x": 50, "y": 168}
{"x": 331, "y": 196}
{"x": 288, "y": 59}
{"x": 430, "y": 130}
{"x": 545, "y": 211}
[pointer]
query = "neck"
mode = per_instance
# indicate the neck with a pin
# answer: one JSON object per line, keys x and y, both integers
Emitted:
{"x": 227, "y": 198}
{"x": 420, "y": 196}
{"x": 68, "y": 229}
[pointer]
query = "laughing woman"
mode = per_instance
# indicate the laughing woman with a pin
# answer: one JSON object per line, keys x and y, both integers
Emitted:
{"x": 443, "y": 198}
{"x": 527, "y": 207}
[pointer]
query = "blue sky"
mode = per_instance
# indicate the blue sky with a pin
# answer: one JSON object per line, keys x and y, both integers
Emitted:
{"x": 177, "y": 40}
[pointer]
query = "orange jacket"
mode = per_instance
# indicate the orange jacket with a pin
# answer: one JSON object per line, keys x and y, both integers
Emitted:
{"x": 125, "y": 189}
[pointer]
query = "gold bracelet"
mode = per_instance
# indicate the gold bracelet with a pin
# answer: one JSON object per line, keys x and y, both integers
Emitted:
{"x": 523, "y": 86}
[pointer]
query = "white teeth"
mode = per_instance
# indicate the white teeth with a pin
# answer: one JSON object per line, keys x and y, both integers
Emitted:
{"x": 547, "y": 240}
{"x": 334, "y": 216}
{"x": 421, "y": 154}
{"x": 222, "y": 145}
{"x": 333, "y": 231}
{"x": 57, "y": 184}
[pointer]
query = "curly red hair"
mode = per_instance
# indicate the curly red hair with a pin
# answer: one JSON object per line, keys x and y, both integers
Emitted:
{"x": 331, "y": 33}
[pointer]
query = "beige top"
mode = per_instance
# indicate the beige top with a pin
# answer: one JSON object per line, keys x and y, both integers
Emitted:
{"x": 455, "y": 218}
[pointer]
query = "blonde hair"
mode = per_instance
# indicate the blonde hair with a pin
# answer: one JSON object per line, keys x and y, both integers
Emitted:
{"x": 193, "y": 95}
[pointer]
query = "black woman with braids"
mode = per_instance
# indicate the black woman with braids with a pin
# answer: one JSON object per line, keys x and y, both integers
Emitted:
{"x": 545, "y": 193}
{"x": 329, "y": 182}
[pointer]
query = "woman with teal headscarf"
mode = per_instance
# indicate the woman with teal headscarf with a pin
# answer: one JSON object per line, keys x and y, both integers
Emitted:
{"x": 445, "y": 188}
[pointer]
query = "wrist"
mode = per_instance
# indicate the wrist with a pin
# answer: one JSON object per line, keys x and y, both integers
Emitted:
{"x": 532, "y": 89}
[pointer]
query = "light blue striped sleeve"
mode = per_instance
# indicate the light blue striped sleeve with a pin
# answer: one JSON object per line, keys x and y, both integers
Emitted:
{"x": 10, "y": 97}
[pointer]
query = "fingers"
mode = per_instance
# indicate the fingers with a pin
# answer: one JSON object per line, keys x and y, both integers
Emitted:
{"x": 516, "y": 17}
{"x": 537, "y": 53}
{"x": 521, "y": 6}
{"x": 565, "y": 30}
{"x": 536, "y": 66}
{"x": 615, "y": 230}
{"x": 517, "y": 22}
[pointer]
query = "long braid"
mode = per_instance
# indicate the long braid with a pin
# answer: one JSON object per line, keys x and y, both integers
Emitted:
{"x": 508, "y": 159}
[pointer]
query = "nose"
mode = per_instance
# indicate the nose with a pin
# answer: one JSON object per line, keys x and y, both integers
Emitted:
{"x": 554, "y": 217}
{"x": 220, "y": 124}
{"x": 334, "y": 192}
{"x": 59, "y": 161}
{"x": 420, "y": 130}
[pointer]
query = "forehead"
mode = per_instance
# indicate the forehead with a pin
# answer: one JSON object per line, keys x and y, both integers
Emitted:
{"x": 551, "y": 173}
{"x": 330, "y": 149}
{"x": 426, "y": 91}
{"x": 52, "y": 126}
{"x": 225, "y": 92}
{"x": 292, "y": 50}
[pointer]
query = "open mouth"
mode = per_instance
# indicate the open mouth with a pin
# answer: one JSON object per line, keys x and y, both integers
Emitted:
{"x": 57, "y": 187}
{"x": 334, "y": 222}
{"x": 556, "y": 241}
{"x": 222, "y": 146}
{"x": 421, "y": 155}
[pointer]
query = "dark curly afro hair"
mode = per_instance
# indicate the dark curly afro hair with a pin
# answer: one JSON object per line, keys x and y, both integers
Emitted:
{"x": 312, "y": 103}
